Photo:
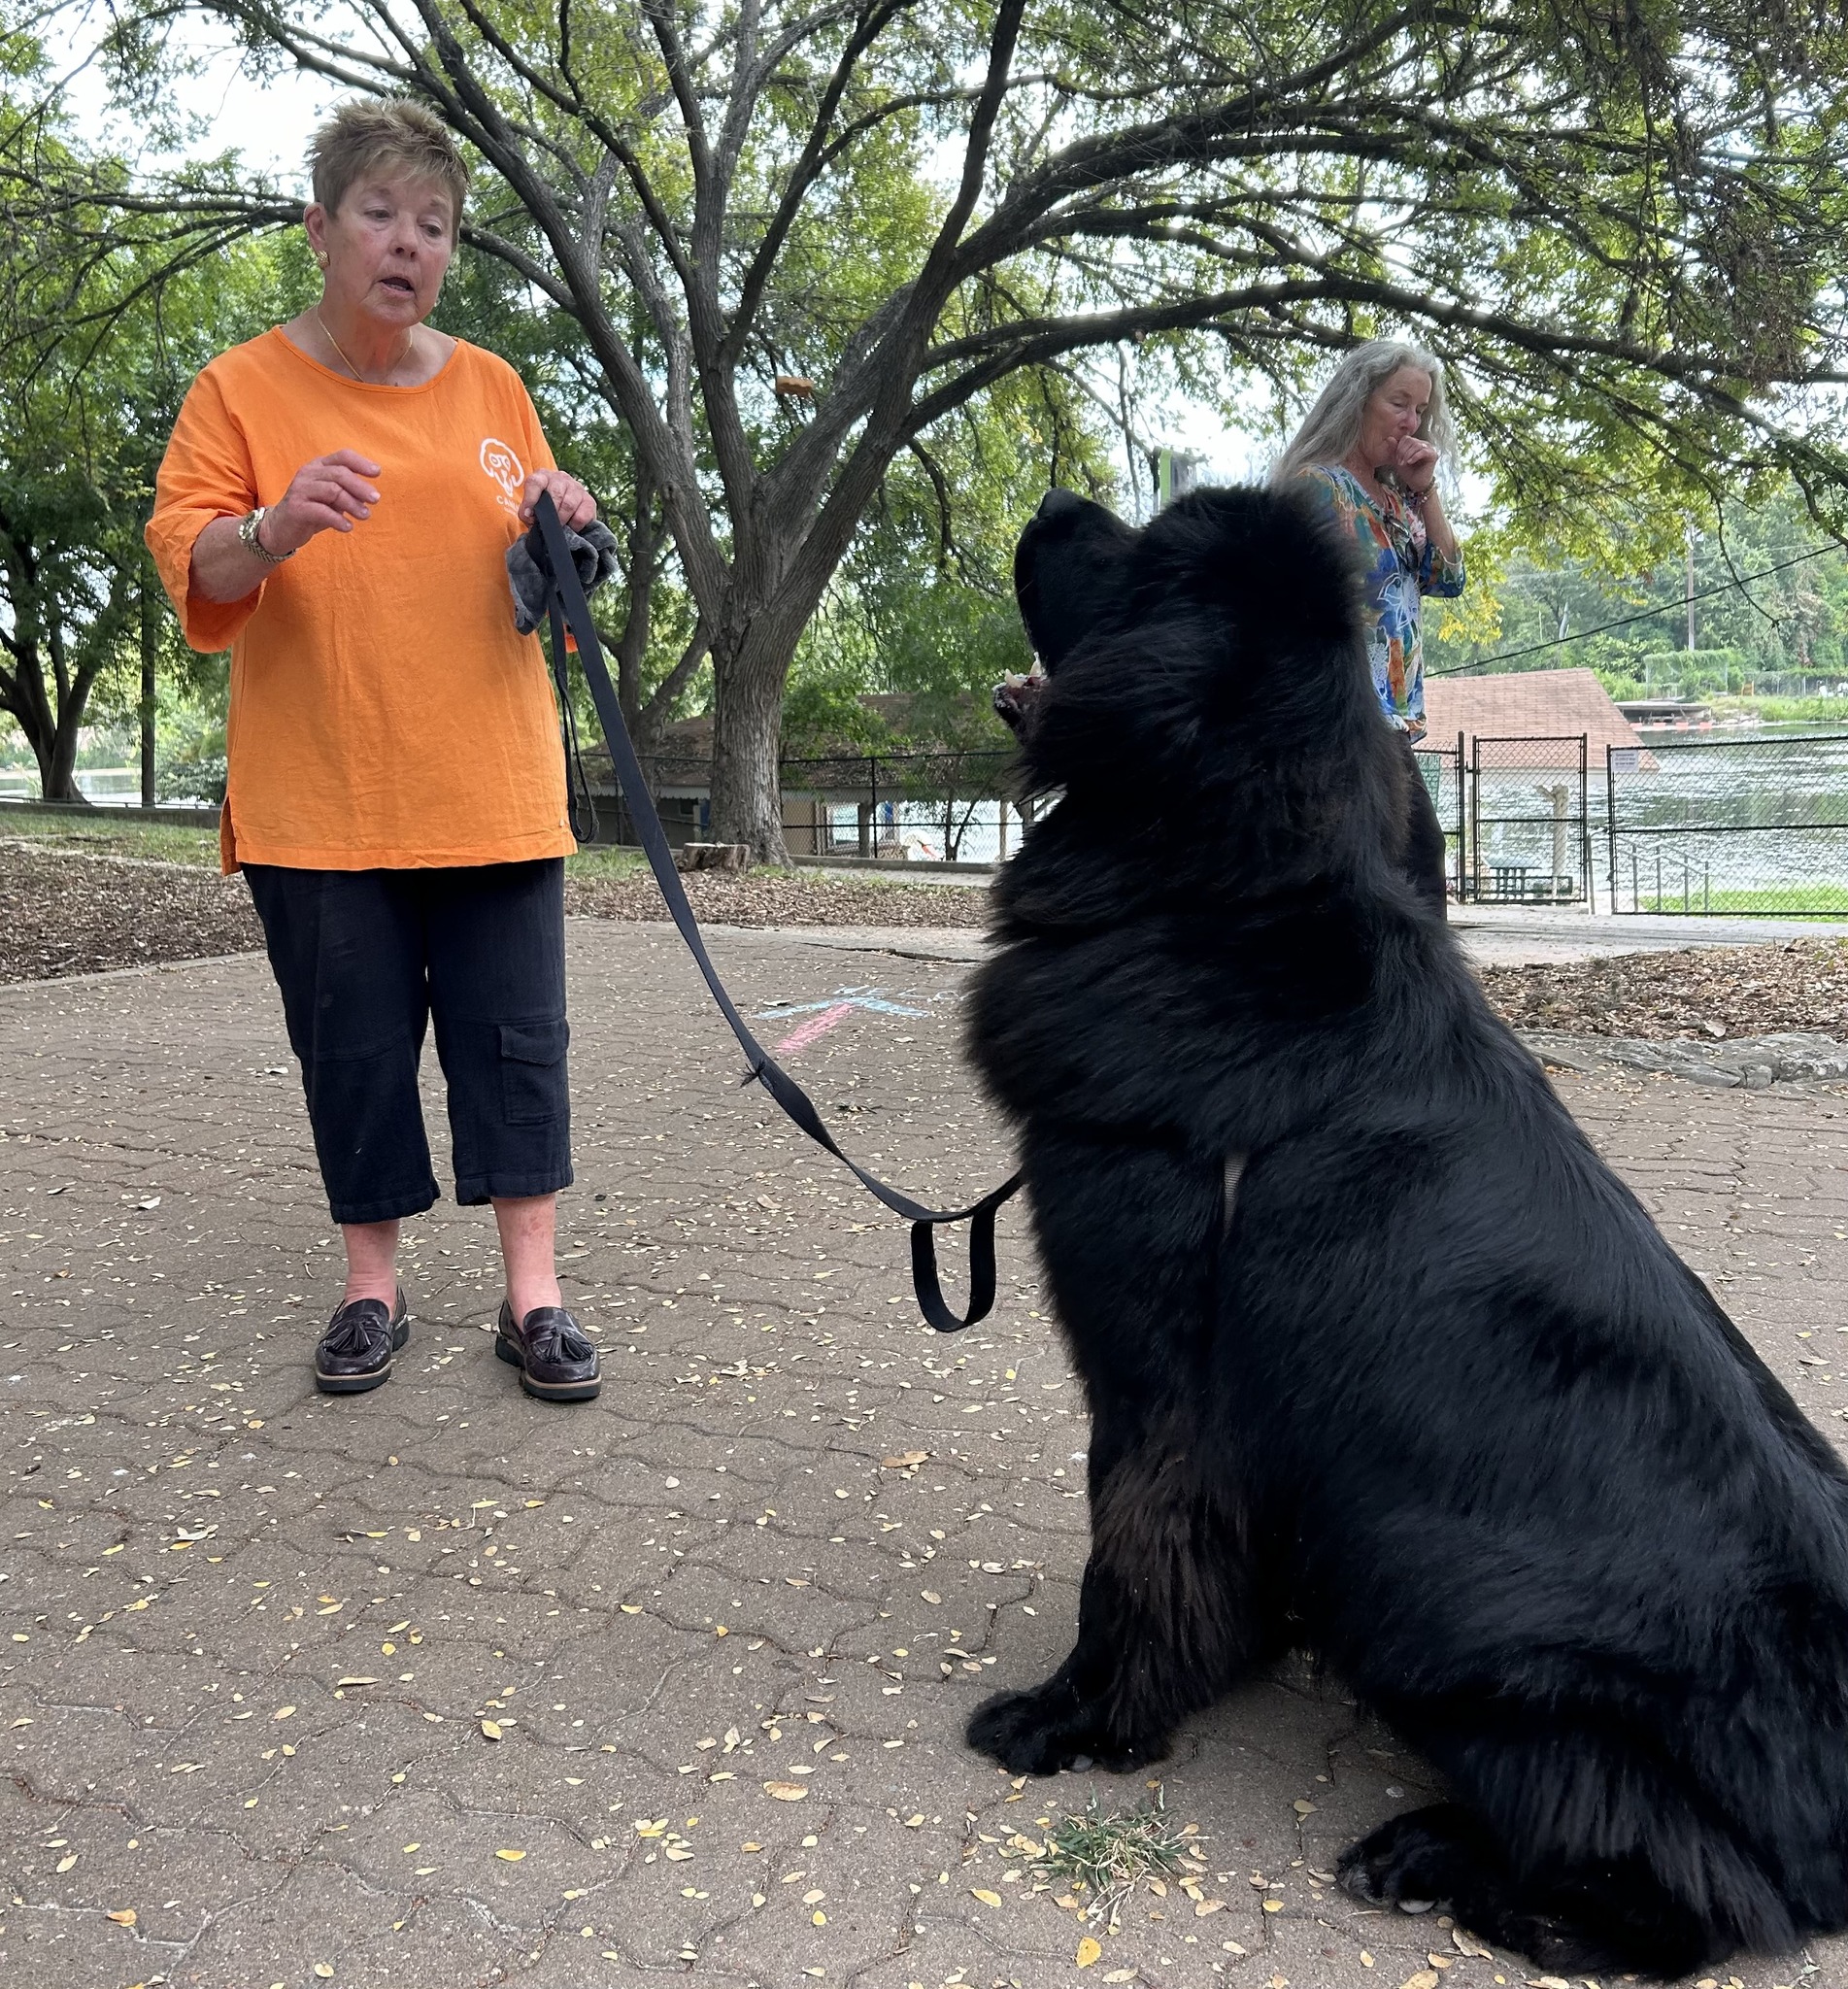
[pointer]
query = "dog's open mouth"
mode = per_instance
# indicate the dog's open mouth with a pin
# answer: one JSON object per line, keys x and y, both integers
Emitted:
{"x": 1017, "y": 698}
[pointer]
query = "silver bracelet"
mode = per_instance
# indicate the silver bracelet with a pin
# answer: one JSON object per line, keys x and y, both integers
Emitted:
{"x": 246, "y": 531}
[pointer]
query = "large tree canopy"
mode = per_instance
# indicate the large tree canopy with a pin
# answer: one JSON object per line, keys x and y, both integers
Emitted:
{"x": 1617, "y": 218}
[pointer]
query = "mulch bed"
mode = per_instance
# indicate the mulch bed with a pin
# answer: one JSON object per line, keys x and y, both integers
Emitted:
{"x": 1707, "y": 993}
{"x": 777, "y": 898}
{"x": 66, "y": 913}
{"x": 69, "y": 914}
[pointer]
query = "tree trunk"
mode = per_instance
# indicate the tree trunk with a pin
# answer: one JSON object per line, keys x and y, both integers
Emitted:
{"x": 57, "y": 763}
{"x": 150, "y": 645}
{"x": 747, "y": 794}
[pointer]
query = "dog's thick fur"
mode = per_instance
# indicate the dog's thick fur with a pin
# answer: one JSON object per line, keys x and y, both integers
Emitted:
{"x": 1383, "y": 1361}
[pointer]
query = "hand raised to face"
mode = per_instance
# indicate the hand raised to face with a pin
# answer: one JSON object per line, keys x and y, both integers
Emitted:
{"x": 1413, "y": 462}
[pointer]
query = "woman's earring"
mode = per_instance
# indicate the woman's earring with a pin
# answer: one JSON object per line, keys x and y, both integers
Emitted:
{"x": 320, "y": 256}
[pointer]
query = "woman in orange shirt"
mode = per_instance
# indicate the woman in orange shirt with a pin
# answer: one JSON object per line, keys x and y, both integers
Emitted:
{"x": 336, "y": 504}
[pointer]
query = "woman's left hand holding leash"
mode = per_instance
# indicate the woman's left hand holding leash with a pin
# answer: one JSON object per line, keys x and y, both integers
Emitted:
{"x": 576, "y": 506}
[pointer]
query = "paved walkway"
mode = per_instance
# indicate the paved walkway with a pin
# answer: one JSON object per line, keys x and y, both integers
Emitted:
{"x": 438, "y": 1685}
{"x": 1516, "y": 935}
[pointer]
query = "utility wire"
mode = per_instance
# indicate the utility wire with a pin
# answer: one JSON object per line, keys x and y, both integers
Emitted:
{"x": 1725, "y": 586}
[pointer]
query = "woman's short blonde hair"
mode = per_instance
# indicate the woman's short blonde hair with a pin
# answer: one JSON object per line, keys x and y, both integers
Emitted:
{"x": 363, "y": 140}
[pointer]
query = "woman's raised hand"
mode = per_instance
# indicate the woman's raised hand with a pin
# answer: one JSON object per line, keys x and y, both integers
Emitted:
{"x": 575, "y": 505}
{"x": 1415, "y": 463}
{"x": 332, "y": 493}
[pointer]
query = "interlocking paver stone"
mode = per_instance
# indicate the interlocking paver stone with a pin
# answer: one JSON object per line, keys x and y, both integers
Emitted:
{"x": 249, "y": 1635}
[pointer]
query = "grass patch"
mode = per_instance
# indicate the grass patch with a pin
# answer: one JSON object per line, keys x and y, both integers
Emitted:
{"x": 605, "y": 860}
{"x": 1775, "y": 901}
{"x": 158, "y": 841}
{"x": 1103, "y": 1857}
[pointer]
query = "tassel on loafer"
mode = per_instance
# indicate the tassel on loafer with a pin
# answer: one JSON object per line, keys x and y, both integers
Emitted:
{"x": 556, "y": 1363}
{"x": 355, "y": 1353}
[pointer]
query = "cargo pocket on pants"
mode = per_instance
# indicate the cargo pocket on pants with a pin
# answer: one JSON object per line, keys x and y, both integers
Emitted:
{"x": 534, "y": 1089}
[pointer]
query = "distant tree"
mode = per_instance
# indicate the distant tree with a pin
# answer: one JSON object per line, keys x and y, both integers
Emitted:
{"x": 105, "y": 330}
{"x": 1771, "y": 603}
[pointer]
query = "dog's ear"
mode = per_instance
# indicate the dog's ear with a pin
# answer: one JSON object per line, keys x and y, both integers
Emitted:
{"x": 1071, "y": 573}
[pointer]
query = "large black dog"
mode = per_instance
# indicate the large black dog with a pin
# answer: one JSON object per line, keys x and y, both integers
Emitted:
{"x": 1383, "y": 1361}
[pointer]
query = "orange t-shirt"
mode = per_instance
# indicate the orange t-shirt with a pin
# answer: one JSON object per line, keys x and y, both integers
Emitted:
{"x": 384, "y": 713}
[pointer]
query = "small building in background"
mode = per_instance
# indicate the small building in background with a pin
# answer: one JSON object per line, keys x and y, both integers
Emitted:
{"x": 1537, "y": 707}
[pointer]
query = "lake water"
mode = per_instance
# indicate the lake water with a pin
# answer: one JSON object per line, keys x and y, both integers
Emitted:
{"x": 1720, "y": 823}
{"x": 109, "y": 787}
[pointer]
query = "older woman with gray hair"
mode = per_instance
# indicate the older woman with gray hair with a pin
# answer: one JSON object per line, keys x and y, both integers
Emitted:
{"x": 1369, "y": 452}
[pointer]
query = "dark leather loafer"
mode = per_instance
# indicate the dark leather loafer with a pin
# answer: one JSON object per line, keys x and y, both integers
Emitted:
{"x": 355, "y": 1351}
{"x": 556, "y": 1362}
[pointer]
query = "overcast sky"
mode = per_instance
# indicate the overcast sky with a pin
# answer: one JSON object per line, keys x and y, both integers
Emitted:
{"x": 268, "y": 123}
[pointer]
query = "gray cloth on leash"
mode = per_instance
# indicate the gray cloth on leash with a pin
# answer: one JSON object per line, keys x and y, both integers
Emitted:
{"x": 593, "y": 554}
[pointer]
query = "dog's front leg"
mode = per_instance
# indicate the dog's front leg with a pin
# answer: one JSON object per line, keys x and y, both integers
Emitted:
{"x": 1168, "y": 1616}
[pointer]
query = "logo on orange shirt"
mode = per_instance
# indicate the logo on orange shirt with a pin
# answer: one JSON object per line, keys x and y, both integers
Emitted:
{"x": 503, "y": 464}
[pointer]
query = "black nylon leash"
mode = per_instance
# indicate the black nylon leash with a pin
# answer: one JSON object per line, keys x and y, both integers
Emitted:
{"x": 567, "y": 607}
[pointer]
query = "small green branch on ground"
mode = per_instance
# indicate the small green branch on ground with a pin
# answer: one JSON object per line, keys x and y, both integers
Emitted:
{"x": 1103, "y": 1857}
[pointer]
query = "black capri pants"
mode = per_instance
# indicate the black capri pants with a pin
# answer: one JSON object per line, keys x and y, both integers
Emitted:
{"x": 364, "y": 960}
{"x": 1425, "y": 859}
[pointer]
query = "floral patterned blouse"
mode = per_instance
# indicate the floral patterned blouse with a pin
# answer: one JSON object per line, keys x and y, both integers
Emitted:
{"x": 1401, "y": 568}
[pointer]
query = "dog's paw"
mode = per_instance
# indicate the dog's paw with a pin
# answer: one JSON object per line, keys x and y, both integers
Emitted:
{"x": 1041, "y": 1731}
{"x": 1426, "y": 1856}
{"x": 1027, "y": 1732}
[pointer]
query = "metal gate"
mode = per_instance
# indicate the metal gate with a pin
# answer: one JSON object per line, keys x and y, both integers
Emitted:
{"x": 1529, "y": 830}
{"x": 1442, "y": 767}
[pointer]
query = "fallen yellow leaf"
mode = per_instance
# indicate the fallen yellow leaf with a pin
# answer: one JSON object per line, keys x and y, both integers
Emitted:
{"x": 283, "y": 1712}
{"x": 630, "y": 1608}
{"x": 1089, "y": 1951}
{"x": 987, "y": 1898}
{"x": 512, "y": 1857}
{"x": 1426, "y": 1978}
{"x": 786, "y": 1792}
{"x": 323, "y": 1971}
{"x": 491, "y": 1730}
{"x": 125, "y": 1918}
{"x": 904, "y": 1459}
{"x": 64, "y": 1864}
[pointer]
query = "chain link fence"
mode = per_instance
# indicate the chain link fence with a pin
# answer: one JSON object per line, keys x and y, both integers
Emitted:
{"x": 1745, "y": 827}
{"x": 944, "y": 807}
{"x": 1716, "y": 826}
{"x": 1529, "y": 828}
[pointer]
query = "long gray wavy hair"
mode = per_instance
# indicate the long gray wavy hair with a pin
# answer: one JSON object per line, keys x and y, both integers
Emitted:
{"x": 1332, "y": 426}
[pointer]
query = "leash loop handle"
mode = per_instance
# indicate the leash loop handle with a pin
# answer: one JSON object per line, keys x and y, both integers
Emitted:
{"x": 566, "y": 606}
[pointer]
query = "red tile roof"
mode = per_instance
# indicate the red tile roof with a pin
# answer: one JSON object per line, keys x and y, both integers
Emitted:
{"x": 1527, "y": 704}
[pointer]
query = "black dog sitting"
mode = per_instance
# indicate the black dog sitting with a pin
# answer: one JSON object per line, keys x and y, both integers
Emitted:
{"x": 1383, "y": 1361}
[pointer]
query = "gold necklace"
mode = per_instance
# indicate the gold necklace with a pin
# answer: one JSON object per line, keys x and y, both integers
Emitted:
{"x": 410, "y": 340}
